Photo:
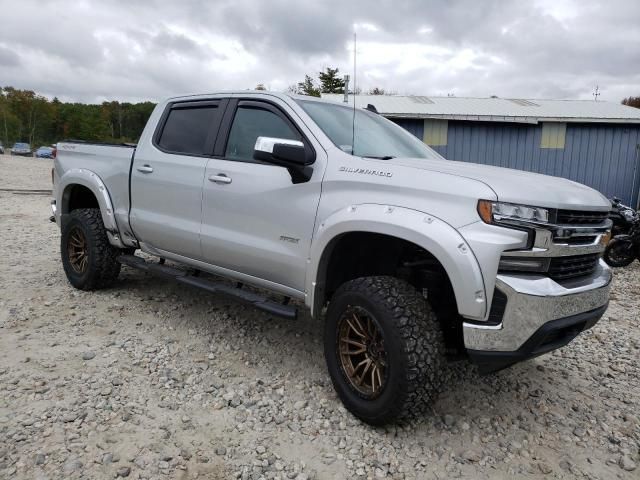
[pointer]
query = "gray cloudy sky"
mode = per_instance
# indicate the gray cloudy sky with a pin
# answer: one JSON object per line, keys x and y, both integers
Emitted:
{"x": 92, "y": 50}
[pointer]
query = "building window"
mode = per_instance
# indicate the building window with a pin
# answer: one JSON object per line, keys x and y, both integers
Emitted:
{"x": 553, "y": 135}
{"x": 435, "y": 132}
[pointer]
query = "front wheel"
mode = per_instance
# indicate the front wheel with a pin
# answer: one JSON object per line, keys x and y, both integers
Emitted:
{"x": 384, "y": 349}
{"x": 619, "y": 253}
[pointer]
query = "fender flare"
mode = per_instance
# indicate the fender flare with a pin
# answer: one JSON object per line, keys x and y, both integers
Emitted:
{"x": 92, "y": 181}
{"x": 433, "y": 234}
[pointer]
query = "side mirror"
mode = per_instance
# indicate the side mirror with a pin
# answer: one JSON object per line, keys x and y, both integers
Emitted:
{"x": 290, "y": 154}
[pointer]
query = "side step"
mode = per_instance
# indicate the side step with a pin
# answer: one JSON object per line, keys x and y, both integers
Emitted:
{"x": 181, "y": 276}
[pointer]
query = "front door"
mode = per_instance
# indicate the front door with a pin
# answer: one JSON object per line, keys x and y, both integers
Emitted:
{"x": 167, "y": 177}
{"x": 255, "y": 219}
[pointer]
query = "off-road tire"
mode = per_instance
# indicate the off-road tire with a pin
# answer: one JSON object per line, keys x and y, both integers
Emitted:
{"x": 102, "y": 267}
{"x": 413, "y": 343}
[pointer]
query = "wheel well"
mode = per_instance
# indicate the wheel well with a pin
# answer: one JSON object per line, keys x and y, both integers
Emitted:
{"x": 78, "y": 196}
{"x": 362, "y": 254}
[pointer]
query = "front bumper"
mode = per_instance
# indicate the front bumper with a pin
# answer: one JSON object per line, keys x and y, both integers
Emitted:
{"x": 540, "y": 315}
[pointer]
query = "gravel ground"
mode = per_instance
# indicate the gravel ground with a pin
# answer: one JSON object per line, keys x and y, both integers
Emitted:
{"x": 150, "y": 379}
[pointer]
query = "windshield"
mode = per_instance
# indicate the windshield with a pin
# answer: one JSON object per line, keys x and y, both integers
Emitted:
{"x": 371, "y": 135}
{"x": 21, "y": 145}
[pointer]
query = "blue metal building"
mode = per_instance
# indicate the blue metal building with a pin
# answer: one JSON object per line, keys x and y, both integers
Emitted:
{"x": 594, "y": 143}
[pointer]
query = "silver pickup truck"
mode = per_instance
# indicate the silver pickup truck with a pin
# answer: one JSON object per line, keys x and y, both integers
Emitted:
{"x": 410, "y": 260}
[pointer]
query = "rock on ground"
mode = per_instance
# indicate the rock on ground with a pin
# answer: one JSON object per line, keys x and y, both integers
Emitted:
{"x": 182, "y": 384}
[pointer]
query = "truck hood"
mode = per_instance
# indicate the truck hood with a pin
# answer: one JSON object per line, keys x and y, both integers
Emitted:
{"x": 517, "y": 186}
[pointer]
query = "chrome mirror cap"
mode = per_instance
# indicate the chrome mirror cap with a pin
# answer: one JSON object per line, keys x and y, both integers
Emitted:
{"x": 266, "y": 144}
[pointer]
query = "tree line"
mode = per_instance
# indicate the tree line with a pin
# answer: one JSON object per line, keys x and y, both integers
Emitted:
{"x": 328, "y": 81}
{"x": 26, "y": 116}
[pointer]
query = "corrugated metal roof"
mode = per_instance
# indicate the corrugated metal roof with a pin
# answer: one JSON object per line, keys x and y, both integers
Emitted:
{"x": 496, "y": 109}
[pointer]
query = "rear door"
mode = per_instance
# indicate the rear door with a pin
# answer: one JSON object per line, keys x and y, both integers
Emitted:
{"x": 167, "y": 177}
{"x": 255, "y": 220}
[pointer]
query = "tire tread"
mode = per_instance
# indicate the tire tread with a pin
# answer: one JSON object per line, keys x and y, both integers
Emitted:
{"x": 418, "y": 327}
{"x": 105, "y": 266}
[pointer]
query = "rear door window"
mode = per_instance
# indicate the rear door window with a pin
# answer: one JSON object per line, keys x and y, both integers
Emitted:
{"x": 190, "y": 130}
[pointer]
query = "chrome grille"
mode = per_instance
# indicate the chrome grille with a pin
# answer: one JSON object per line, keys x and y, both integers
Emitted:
{"x": 561, "y": 268}
{"x": 579, "y": 217}
{"x": 569, "y": 246}
{"x": 586, "y": 240}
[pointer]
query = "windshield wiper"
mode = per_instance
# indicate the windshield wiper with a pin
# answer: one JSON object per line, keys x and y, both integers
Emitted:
{"x": 383, "y": 157}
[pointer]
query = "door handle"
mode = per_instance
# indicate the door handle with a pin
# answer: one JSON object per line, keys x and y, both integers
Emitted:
{"x": 220, "y": 178}
{"x": 145, "y": 169}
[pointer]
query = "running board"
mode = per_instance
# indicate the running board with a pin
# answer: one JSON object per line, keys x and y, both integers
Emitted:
{"x": 182, "y": 276}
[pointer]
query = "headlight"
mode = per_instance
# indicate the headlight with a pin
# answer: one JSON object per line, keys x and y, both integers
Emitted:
{"x": 497, "y": 212}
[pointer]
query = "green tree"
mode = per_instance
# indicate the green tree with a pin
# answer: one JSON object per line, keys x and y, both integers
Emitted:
{"x": 632, "y": 102}
{"x": 330, "y": 82}
{"x": 29, "y": 117}
{"x": 8, "y": 120}
{"x": 25, "y": 116}
{"x": 307, "y": 87}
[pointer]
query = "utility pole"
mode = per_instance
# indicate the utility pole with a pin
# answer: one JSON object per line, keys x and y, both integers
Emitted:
{"x": 596, "y": 93}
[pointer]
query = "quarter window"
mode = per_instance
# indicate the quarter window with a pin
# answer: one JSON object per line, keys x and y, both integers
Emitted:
{"x": 186, "y": 129}
{"x": 249, "y": 124}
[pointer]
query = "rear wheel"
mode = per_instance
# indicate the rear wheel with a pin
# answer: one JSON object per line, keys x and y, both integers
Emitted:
{"x": 619, "y": 253}
{"x": 89, "y": 260}
{"x": 384, "y": 349}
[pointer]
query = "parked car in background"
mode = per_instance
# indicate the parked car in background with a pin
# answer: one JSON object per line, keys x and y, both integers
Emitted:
{"x": 23, "y": 149}
{"x": 45, "y": 152}
{"x": 1, "y": 149}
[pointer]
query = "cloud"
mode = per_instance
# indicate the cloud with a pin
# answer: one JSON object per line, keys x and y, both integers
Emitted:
{"x": 8, "y": 58}
{"x": 117, "y": 49}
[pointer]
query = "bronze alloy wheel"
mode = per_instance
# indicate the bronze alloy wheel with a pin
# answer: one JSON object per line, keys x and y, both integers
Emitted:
{"x": 77, "y": 249}
{"x": 361, "y": 351}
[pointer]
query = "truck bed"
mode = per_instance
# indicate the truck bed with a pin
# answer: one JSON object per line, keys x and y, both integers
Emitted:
{"x": 112, "y": 163}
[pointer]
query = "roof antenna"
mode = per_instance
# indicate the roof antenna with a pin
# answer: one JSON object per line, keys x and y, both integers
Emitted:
{"x": 353, "y": 124}
{"x": 596, "y": 93}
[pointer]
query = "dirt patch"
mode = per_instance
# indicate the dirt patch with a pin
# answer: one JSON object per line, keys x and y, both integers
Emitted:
{"x": 151, "y": 380}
